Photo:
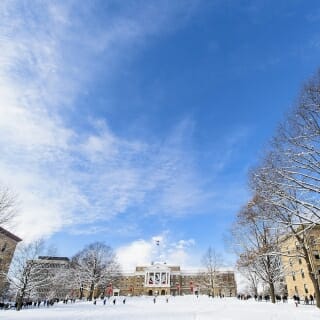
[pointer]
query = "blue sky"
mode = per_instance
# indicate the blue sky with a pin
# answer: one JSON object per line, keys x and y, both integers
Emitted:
{"x": 129, "y": 121}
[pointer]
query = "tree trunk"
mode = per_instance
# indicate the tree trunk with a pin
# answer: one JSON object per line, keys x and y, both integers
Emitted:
{"x": 272, "y": 294}
{"x": 19, "y": 302}
{"x": 312, "y": 276}
{"x": 316, "y": 290}
{"x": 91, "y": 291}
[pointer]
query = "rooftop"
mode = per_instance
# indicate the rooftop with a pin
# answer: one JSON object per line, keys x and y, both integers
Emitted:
{"x": 9, "y": 235}
{"x": 53, "y": 258}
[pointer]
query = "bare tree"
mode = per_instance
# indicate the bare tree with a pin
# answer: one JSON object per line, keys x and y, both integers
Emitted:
{"x": 290, "y": 172}
{"x": 94, "y": 266}
{"x": 291, "y": 216}
{"x": 25, "y": 275}
{"x": 248, "y": 272}
{"x": 212, "y": 261}
{"x": 60, "y": 279}
{"x": 76, "y": 277}
{"x": 258, "y": 245}
{"x": 288, "y": 177}
{"x": 8, "y": 204}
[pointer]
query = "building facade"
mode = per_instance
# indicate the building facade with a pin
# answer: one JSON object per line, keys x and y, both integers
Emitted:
{"x": 296, "y": 274}
{"x": 153, "y": 280}
{"x": 47, "y": 277}
{"x": 162, "y": 279}
{"x": 8, "y": 243}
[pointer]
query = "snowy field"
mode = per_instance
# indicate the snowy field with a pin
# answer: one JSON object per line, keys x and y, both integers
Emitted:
{"x": 184, "y": 308}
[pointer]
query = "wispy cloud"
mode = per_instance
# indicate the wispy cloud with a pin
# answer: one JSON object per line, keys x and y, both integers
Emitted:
{"x": 64, "y": 176}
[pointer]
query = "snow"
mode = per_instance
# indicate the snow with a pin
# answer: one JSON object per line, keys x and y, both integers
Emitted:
{"x": 177, "y": 308}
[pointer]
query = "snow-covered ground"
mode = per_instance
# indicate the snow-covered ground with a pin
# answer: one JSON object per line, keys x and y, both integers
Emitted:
{"x": 184, "y": 308}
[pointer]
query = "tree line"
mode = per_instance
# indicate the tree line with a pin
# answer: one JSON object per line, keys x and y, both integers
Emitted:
{"x": 88, "y": 270}
{"x": 285, "y": 189}
{"x": 31, "y": 278}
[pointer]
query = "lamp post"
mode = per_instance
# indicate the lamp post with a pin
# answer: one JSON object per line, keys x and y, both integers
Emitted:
{"x": 157, "y": 242}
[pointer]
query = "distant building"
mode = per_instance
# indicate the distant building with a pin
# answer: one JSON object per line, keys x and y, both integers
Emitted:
{"x": 297, "y": 278}
{"x": 8, "y": 243}
{"x": 156, "y": 279}
{"x": 46, "y": 270}
{"x": 162, "y": 279}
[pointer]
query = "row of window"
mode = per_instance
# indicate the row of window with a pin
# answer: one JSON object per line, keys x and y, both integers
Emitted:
{"x": 306, "y": 289}
{"x": 316, "y": 253}
{"x": 52, "y": 265}
{"x": 291, "y": 261}
{"x": 294, "y": 275}
{"x": 302, "y": 274}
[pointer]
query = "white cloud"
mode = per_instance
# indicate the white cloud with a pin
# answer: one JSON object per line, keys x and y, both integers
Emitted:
{"x": 137, "y": 253}
{"x": 143, "y": 252}
{"x": 114, "y": 230}
{"x": 182, "y": 244}
{"x": 63, "y": 176}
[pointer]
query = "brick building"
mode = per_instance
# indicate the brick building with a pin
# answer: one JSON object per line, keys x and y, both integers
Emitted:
{"x": 297, "y": 278}
{"x": 8, "y": 243}
{"x": 162, "y": 279}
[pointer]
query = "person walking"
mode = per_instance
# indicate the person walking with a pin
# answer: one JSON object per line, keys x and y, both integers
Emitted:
{"x": 311, "y": 299}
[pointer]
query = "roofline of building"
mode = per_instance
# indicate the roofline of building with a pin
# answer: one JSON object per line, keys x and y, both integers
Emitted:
{"x": 50, "y": 258}
{"x": 180, "y": 272}
{"x": 10, "y": 235}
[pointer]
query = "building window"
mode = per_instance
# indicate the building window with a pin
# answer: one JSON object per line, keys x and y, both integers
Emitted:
{"x": 4, "y": 247}
{"x": 312, "y": 240}
{"x": 293, "y": 276}
{"x": 316, "y": 255}
{"x": 306, "y": 288}
{"x": 296, "y": 289}
{"x": 290, "y": 262}
{"x": 302, "y": 274}
{"x": 300, "y": 261}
